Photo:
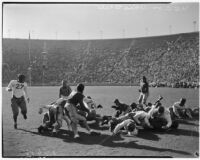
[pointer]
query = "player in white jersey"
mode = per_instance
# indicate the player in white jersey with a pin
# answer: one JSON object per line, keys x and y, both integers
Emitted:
{"x": 140, "y": 118}
{"x": 180, "y": 110}
{"x": 19, "y": 93}
{"x": 129, "y": 127}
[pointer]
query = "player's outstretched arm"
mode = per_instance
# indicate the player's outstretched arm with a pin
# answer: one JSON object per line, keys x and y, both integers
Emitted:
{"x": 9, "y": 88}
{"x": 26, "y": 93}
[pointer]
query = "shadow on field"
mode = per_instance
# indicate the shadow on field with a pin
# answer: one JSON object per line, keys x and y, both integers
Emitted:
{"x": 62, "y": 134}
{"x": 134, "y": 145}
{"x": 104, "y": 140}
{"x": 188, "y": 122}
{"x": 182, "y": 132}
{"x": 146, "y": 135}
{"x": 117, "y": 141}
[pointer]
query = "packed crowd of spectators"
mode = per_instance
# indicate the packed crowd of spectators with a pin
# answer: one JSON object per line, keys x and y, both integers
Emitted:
{"x": 170, "y": 61}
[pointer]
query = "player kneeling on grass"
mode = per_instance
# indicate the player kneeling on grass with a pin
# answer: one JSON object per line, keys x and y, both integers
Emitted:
{"x": 52, "y": 119}
{"x": 74, "y": 99}
{"x": 195, "y": 112}
{"x": 180, "y": 111}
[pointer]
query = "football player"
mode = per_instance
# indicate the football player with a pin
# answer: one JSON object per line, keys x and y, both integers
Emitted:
{"x": 19, "y": 96}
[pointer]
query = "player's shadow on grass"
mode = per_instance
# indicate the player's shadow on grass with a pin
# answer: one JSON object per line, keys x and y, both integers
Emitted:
{"x": 103, "y": 140}
{"x": 67, "y": 136}
{"x": 148, "y": 135}
{"x": 144, "y": 134}
{"x": 86, "y": 138}
{"x": 62, "y": 134}
{"x": 180, "y": 131}
{"x": 134, "y": 145}
{"x": 117, "y": 141}
{"x": 188, "y": 122}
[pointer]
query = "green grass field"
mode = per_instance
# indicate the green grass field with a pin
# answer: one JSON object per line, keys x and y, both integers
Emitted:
{"x": 25, "y": 141}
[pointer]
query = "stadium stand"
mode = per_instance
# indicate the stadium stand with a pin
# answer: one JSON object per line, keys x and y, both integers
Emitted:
{"x": 167, "y": 61}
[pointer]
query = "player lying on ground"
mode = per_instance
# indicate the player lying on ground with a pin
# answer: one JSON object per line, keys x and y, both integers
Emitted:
{"x": 162, "y": 118}
{"x": 52, "y": 118}
{"x": 89, "y": 110}
{"x": 129, "y": 126}
{"x": 148, "y": 106}
{"x": 157, "y": 117}
{"x": 122, "y": 108}
{"x": 140, "y": 118}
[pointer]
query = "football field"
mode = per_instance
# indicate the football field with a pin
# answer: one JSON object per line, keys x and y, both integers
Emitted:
{"x": 26, "y": 142}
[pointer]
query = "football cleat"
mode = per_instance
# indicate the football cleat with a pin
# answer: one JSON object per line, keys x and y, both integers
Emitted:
{"x": 76, "y": 136}
{"x": 40, "y": 129}
{"x": 25, "y": 116}
{"x": 15, "y": 125}
{"x": 99, "y": 106}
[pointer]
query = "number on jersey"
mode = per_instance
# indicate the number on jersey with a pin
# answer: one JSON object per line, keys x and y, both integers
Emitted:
{"x": 19, "y": 86}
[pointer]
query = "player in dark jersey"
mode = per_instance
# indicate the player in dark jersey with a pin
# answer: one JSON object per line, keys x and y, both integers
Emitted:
{"x": 65, "y": 90}
{"x": 74, "y": 99}
{"x": 144, "y": 91}
{"x": 121, "y": 108}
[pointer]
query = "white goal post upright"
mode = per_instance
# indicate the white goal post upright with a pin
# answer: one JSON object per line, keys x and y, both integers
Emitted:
{"x": 29, "y": 54}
